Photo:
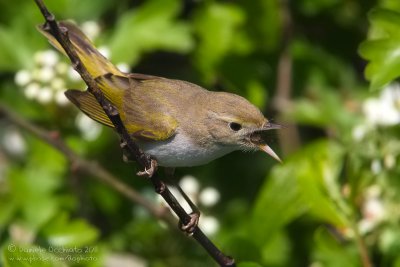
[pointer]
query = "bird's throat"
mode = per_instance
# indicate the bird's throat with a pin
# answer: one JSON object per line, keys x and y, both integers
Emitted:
{"x": 181, "y": 151}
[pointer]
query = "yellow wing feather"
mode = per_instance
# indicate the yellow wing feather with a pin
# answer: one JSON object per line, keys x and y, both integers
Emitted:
{"x": 93, "y": 61}
{"x": 88, "y": 104}
{"x": 144, "y": 119}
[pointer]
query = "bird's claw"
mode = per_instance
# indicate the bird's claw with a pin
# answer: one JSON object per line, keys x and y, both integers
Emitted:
{"x": 189, "y": 227}
{"x": 149, "y": 171}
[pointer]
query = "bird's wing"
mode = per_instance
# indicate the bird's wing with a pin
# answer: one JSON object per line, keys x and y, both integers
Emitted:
{"x": 148, "y": 110}
{"x": 145, "y": 116}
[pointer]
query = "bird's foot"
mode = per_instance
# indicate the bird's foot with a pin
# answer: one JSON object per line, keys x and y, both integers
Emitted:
{"x": 189, "y": 227}
{"x": 148, "y": 172}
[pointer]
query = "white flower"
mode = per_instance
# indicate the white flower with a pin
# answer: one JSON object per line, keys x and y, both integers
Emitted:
{"x": 373, "y": 213}
{"x": 209, "y": 196}
{"x": 45, "y": 95}
{"x": 105, "y": 51}
{"x": 91, "y": 29}
{"x": 389, "y": 161}
{"x": 209, "y": 224}
{"x": 62, "y": 68}
{"x": 359, "y": 132}
{"x": 384, "y": 110}
{"x": 189, "y": 185}
{"x": 372, "y": 209}
{"x": 123, "y": 67}
{"x": 365, "y": 226}
{"x": 23, "y": 77}
{"x": 57, "y": 84}
{"x": 88, "y": 127}
{"x": 32, "y": 90}
{"x": 47, "y": 58}
{"x": 61, "y": 99}
{"x": 13, "y": 142}
{"x": 45, "y": 74}
{"x": 181, "y": 199}
{"x": 376, "y": 166}
{"x": 73, "y": 75}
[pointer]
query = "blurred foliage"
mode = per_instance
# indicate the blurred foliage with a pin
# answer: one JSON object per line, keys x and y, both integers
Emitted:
{"x": 332, "y": 200}
{"x": 383, "y": 48}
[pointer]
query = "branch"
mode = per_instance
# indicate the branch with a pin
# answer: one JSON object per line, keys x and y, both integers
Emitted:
{"x": 362, "y": 248}
{"x": 61, "y": 35}
{"x": 92, "y": 168}
{"x": 289, "y": 138}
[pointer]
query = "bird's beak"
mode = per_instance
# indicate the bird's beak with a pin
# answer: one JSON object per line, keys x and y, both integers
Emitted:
{"x": 256, "y": 138}
{"x": 270, "y": 126}
{"x": 270, "y": 152}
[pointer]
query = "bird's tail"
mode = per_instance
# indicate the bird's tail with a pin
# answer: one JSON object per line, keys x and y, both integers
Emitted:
{"x": 94, "y": 62}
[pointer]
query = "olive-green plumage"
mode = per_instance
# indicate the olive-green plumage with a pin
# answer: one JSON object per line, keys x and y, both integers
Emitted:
{"x": 168, "y": 118}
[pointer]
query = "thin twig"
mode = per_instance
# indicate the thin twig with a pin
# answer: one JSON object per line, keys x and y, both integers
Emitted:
{"x": 93, "y": 168}
{"x": 141, "y": 158}
{"x": 289, "y": 137}
{"x": 362, "y": 248}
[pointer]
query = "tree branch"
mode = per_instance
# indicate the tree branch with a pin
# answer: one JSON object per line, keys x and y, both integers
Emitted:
{"x": 289, "y": 137}
{"x": 61, "y": 35}
{"x": 362, "y": 248}
{"x": 92, "y": 168}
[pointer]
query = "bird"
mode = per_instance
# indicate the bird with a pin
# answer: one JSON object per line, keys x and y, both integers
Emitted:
{"x": 177, "y": 123}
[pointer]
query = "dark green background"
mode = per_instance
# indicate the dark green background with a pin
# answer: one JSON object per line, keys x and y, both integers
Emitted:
{"x": 304, "y": 212}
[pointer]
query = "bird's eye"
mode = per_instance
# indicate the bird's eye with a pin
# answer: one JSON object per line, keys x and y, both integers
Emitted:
{"x": 235, "y": 126}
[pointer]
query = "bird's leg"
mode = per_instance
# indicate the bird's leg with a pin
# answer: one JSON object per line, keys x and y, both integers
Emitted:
{"x": 194, "y": 215}
{"x": 128, "y": 157}
{"x": 190, "y": 226}
{"x": 150, "y": 171}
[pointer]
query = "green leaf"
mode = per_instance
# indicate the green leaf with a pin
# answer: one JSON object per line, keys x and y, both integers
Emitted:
{"x": 217, "y": 27}
{"x": 382, "y": 50}
{"x": 150, "y": 28}
{"x": 87, "y": 9}
{"x": 317, "y": 176}
{"x": 243, "y": 248}
{"x": 312, "y": 7}
{"x": 308, "y": 181}
{"x": 14, "y": 54}
{"x": 278, "y": 203}
{"x": 29, "y": 256}
{"x": 330, "y": 253}
{"x": 33, "y": 187}
{"x": 65, "y": 233}
{"x": 256, "y": 93}
{"x": 274, "y": 253}
{"x": 8, "y": 207}
{"x": 324, "y": 108}
{"x": 264, "y": 23}
{"x": 248, "y": 264}
{"x": 389, "y": 240}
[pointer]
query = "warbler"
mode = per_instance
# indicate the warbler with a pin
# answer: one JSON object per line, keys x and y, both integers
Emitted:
{"x": 178, "y": 123}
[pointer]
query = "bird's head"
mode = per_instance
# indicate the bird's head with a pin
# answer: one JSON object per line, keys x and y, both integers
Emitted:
{"x": 233, "y": 121}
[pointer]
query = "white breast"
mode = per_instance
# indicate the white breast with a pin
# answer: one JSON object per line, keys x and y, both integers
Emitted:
{"x": 180, "y": 151}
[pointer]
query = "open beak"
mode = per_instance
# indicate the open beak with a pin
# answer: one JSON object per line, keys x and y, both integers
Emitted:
{"x": 257, "y": 139}
{"x": 270, "y": 152}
